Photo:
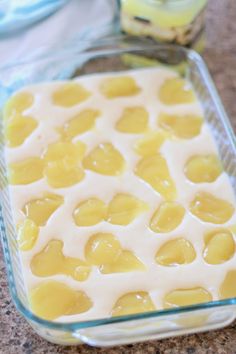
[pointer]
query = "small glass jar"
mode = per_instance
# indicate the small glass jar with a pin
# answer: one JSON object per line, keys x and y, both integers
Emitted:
{"x": 172, "y": 21}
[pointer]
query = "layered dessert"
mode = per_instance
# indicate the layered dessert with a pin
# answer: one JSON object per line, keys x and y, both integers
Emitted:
{"x": 172, "y": 21}
{"x": 118, "y": 195}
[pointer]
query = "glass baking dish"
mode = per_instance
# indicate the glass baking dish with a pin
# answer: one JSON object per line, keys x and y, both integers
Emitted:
{"x": 115, "y": 54}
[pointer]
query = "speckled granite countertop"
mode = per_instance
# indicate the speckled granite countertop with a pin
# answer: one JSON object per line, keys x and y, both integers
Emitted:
{"x": 16, "y": 337}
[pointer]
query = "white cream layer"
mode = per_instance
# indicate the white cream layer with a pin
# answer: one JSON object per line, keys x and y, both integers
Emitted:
{"x": 104, "y": 290}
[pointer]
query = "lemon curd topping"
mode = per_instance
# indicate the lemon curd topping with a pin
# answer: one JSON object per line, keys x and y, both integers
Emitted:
{"x": 119, "y": 198}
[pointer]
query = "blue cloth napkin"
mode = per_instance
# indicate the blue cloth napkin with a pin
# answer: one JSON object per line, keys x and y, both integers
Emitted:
{"x": 18, "y": 14}
{"x": 75, "y": 26}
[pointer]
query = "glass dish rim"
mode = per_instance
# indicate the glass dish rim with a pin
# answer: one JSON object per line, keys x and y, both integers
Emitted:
{"x": 142, "y": 45}
{"x": 169, "y": 2}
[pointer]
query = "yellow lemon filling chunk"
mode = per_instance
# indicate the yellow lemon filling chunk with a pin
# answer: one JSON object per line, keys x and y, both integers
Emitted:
{"x": 131, "y": 303}
{"x": 186, "y": 297}
{"x": 105, "y": 159}
{"x": 52, "y": 299}
{"x": 181, "y": 126}
{"x": 105, "y": 251}
{"x": 203, "y": 169}
{"x": 134, "y": 120}
{"x": 39, "y": 210}
{"x": 211, "y": 209}
{"x": 219, "y": 246}
{"x": 167, "y": 217}
{"x": 175, "y": 252}
{"x": 17, "y": 104}
{"x": 176, "y": 91}
{"x": 154, "y": 170}
{"x": 70, "y": 94}
{"x": 119, "y": 87}
{"x": 51, "y": 261}
{"x": 124, "y": 208}
{"x": 27, "y": 234}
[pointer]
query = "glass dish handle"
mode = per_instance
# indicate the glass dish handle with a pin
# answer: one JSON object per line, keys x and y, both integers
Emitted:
{"x": 153, "y": 328}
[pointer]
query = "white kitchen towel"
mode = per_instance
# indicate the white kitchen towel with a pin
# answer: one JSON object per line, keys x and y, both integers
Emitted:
{"x": 76, "y": 20}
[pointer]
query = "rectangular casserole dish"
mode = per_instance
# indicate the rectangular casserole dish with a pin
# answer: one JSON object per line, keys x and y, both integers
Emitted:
{"x": 115, "y": 54}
